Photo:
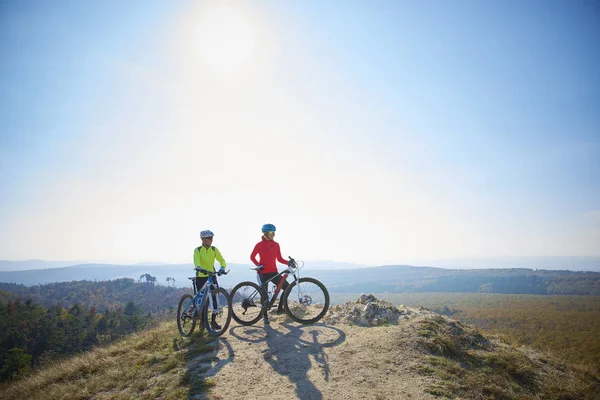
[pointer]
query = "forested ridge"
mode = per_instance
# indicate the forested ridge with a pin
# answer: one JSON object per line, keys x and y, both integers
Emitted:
{"x": 102, "y": 294}
{"x": 409, "y": 279}
{"x": 43, "y": 323}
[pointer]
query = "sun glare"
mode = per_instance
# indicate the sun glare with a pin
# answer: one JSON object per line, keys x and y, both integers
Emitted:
{"x": 225, "y": 40}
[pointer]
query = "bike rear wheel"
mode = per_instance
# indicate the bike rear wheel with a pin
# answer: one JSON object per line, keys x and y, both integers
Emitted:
{"x": 217, "y": 321}
{"x": 247, "y": 299}
{"x": 306, "y": 301}
{"x": 186, "y": 315}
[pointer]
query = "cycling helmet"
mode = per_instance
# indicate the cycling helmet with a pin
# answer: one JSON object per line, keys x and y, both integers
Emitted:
{"x": 206, "y": 233}
{"x": 268, "y": 228}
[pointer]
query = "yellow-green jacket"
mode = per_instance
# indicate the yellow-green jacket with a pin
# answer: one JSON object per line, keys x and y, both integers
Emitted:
{"x": 205, "y": 259}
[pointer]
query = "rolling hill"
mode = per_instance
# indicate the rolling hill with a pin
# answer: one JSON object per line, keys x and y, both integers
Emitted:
{"x": 421, "y": 355}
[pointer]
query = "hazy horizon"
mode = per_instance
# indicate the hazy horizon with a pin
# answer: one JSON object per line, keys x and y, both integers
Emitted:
{"x": 536, "y": 263}
{"x": 366, "y": 132}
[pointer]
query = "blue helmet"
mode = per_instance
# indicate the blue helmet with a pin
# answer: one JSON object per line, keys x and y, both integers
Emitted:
{"x": 268, "y": 227}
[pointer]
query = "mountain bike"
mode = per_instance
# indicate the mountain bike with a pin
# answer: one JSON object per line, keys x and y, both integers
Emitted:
{"x": 306, "y": 300}
{"x": 210, "y": 305}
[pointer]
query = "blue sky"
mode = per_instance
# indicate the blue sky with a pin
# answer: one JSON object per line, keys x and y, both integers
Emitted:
{"x": 371, "y": 132}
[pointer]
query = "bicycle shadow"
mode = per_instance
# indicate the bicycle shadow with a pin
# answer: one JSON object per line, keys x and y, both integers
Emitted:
{"x": 292, "y": 353}
{"x": 205, "y": 357}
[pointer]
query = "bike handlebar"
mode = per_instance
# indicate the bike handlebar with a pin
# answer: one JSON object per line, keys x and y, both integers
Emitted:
{"x": 292, "y": 264}
{"x": 211, "y": 273}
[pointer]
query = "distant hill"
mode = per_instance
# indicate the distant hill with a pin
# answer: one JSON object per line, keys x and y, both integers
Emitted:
{"x": 104, "y": 272}
{"x": 332, "y": 265}
{"x": 100, "y": 272}
{"x": 7, "y": 265}
{"x": 547, "y": 263}
{"x": 393, "y": 278}
{"x": 410, "y": 279}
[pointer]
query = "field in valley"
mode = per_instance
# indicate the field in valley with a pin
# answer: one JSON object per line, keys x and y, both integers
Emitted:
{"x": 567, "y": 326}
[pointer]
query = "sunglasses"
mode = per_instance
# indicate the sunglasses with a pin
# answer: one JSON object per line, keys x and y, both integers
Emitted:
{"x": 270, "y": 232}
{"x": 208, "y": 238}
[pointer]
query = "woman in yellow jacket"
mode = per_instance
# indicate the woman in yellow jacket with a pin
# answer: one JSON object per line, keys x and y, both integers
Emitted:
{"x": 204, "y": 257}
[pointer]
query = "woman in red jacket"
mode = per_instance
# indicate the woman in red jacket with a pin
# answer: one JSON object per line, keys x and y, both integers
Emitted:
{"x": 268, "y": 251}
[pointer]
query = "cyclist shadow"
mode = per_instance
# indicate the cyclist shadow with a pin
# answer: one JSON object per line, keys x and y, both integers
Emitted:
{"x": 292, "y": 354}
{"x": 206, "y": 356}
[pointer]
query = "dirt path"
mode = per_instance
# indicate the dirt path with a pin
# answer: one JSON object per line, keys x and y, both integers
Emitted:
{"x": 287, "y": 360}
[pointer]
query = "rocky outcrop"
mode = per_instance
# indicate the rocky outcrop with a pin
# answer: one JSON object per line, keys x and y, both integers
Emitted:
{"x": 370, "y": 311}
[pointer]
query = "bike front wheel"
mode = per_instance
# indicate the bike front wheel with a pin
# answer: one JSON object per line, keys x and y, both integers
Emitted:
{"x": 306, "y": 301}
{"x": 247, "y": 299}
{"x": 186, "y": 315}
{"x": 217, "y": 318}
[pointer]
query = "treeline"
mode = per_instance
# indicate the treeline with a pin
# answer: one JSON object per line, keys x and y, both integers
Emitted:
{"x": 41, "y": 323}
{"x": 32, "y": 335}
{"x": 407, "y": 279}
{"x": 102, "y": 295}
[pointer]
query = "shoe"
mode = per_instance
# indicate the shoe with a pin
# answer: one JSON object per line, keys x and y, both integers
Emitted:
{"x": 214, "y": 324}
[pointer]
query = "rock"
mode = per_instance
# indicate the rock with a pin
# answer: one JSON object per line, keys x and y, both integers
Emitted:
{"x": 366, "y": 298}
{"x": 368, "y": 311}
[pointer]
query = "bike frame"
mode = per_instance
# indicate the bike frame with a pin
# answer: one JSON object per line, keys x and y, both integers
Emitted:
{"x": 283, "y": 274}
{"x": 204, "y": 291}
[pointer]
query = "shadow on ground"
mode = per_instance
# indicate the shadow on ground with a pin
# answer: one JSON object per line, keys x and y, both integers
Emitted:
{"x": 204, "y": 361}
{"x": 292, "y": 349}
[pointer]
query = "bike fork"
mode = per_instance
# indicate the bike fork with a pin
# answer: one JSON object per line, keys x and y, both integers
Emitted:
{"x": 300, "y": 291}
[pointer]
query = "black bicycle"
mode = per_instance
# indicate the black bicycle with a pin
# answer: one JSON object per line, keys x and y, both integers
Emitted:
{"x": 306, "y": 300}
{"x": 214, "y": 314}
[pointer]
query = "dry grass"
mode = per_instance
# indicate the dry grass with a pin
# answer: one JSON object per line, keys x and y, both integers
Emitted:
{"x": 457, "y": 360}
{"x": 467, "y": 365}
{"x": 146, "y": 365}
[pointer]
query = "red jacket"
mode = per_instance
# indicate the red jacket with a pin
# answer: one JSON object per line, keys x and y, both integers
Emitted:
{"x": 269, "y": 251}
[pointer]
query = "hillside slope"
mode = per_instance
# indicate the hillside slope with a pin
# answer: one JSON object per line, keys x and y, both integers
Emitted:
{"x": 415, "y": 354}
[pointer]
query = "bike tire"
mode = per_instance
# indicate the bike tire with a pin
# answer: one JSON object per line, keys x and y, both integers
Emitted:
{"x": 223, "y": 316}
{"x": 186, "y": 323}
{"x": 240, "y": 296}
{"x": 296, "y": 310}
